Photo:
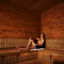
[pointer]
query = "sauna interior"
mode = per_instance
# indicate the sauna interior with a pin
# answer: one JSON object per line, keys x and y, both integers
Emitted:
{"x": 21, "y": 19}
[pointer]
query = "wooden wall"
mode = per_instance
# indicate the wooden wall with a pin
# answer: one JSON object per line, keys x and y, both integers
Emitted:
{"x": 55, "y": 44}
{"x": 16, "y": 22}
{"x": 53, "y": 22}
{"x": 52, "y": 25}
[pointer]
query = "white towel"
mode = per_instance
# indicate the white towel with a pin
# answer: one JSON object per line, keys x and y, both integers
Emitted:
{"x": 36, "y": 49}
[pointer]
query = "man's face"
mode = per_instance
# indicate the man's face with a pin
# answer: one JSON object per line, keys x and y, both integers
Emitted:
{"x": 41, "y": 35}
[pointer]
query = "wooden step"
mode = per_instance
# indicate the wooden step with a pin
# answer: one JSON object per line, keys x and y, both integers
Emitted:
{"x": 36, "y": 61}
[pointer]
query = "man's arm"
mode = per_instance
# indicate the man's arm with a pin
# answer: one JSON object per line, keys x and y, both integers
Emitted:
{"x": 37, "y": 38}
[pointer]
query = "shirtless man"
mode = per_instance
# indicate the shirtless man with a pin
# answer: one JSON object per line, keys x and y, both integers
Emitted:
{"x": 34, "y": 43}
{"x": 37, "y": 42}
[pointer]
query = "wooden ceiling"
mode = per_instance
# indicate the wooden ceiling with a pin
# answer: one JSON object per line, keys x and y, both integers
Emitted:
{"x": 35, "y": 5}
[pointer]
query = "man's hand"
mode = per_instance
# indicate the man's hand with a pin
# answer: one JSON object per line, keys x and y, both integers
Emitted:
{"x": 37, "y": 38}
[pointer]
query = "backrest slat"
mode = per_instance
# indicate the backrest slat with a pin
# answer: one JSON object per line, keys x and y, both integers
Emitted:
{"x": 6, "y": 43}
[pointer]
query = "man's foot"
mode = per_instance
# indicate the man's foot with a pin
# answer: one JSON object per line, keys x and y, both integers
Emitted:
{"x": 18, "y": 48}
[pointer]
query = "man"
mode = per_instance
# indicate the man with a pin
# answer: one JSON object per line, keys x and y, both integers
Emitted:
{"x": 37, "y": 42}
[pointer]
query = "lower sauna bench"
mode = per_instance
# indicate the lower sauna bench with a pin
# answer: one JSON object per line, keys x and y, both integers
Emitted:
{"x": 51, "y": 57}
{"x": 58, "y": 59}
{"x": 44, "y": 57}
{"x": 15, "y": 57}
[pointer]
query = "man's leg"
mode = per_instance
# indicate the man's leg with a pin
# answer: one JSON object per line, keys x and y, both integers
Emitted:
{"x": 30, "y": 41}
{"x": 33, "y": 45}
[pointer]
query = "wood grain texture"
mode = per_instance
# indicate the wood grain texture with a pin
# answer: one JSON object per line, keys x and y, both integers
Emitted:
{"x": 55, "y": 44}
{"x": 35, "y": 5}
{"x": 43, "y": 57}
{"x": 31, "y": 62}
{"x": 58, "y": 59}
{"x": 53, "y": 22}
{"x": 8, "y": 43}
{"x": 18, "y": 23}
{"x": 22, "y": 58}
{"x": 51, "y": 57}
{"x": 28, "y": 56}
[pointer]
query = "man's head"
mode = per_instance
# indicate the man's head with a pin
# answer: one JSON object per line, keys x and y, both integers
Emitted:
{"x": 42, "y": 35}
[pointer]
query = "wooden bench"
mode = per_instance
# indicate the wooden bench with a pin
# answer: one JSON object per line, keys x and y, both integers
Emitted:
{"x": 51, "y": 57}
{"x": 53, "y": 54}
{"x": 13, "y": 56}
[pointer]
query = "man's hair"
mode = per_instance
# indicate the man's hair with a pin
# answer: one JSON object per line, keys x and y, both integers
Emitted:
{"x": 43, "y": 35}
{"x": 44, "y": 40}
